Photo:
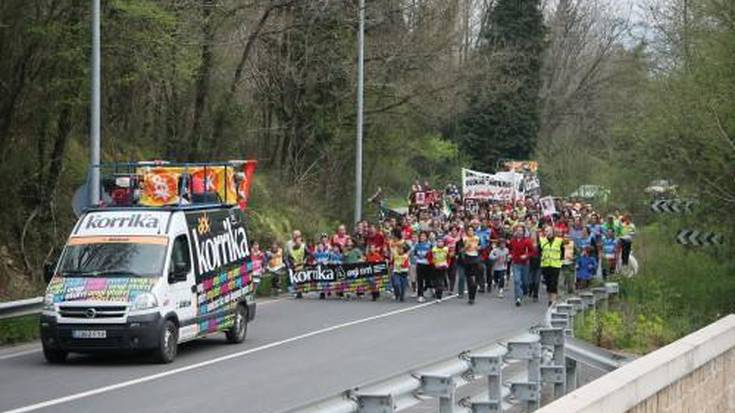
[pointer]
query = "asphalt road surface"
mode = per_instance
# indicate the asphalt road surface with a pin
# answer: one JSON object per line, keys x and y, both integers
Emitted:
{"x": 297, "y": 351}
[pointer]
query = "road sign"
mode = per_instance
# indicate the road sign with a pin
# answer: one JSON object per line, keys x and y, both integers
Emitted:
{"x": 672, "y": 206}
{"x": 697, "y": 238}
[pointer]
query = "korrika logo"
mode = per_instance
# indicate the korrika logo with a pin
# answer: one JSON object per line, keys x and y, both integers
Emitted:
{"x": 203, "y": 226}
{"x": 127, "y": 221}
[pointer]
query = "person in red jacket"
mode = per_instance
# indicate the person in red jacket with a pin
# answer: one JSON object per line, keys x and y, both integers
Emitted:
{"x": 521, "y": 249}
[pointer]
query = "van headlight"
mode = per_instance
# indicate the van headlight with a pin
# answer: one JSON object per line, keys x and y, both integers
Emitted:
{"x": 48, "y": 302}
{"x": 144, "y": 301}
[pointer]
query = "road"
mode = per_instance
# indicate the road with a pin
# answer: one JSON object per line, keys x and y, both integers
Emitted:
{"x": 297, "y": 351}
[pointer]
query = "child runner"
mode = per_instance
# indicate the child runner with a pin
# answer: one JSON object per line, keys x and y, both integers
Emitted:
{"x": 586, "y": 268}
{"x": 499, "y": 257}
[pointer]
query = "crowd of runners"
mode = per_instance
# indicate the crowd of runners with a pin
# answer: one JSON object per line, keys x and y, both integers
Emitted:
{"x": 444, "y": 244}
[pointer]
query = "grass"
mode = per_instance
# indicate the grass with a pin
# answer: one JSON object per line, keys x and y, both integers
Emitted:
{"x": 19, "y": 329}
{"x": 679, "y": 290}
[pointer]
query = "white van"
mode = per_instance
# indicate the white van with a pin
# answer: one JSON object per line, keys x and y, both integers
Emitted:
{"x": 140, "y": 278}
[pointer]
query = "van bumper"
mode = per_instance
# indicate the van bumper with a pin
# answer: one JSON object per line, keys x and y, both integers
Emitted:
{"x": 139, "y": 333}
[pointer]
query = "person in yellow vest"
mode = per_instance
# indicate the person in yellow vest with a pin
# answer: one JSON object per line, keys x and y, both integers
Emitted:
{"x": 400, "y": 261}
{"x": 440, "y": 262}
{"x": 552, "y": 254}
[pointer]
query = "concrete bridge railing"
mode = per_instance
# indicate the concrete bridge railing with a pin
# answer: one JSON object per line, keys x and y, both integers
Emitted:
{"x": 693, "y": 374}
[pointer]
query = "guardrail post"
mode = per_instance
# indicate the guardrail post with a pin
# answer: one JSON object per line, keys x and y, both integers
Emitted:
{"x": 442, "y": 387}
{"x": 527, "y": 347}
{"x": 600, "y": 294}
{"x": 562, "y": 316}
{"x": 555, "y": 372}
{"x": 578, "y": 306}
{"x": 571, "y": 372}
{"x": 375, "y": 403}
{"x": 490, "y": 364}
{"x": 588, "y": 299}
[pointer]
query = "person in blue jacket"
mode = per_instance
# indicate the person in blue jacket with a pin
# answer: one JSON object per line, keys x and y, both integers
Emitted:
{"x": 586, "y": 268}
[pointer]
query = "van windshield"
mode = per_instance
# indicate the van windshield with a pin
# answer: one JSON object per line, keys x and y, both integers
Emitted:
{"x": 114, "y": 257}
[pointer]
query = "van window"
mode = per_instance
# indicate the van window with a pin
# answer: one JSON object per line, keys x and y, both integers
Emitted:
{"x": 180, "y": 258}
{"x": 114, "y": 257}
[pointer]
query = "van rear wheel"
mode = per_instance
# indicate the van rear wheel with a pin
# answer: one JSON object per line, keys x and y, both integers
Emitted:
{"x": 167, "y": 343}
{"x": 239, "y": 330}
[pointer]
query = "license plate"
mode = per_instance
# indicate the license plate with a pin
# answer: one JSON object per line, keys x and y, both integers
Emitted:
{"x": 89, "y": 333}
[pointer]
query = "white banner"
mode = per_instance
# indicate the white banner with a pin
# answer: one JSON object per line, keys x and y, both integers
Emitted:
{"x": 489, "y": 187}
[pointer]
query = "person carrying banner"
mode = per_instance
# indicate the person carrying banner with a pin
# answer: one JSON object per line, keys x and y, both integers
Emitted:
{"x": 296, "y": 254}
{"x": 440, "y": 264}
{"x": 374, "y": 256}
{"x": 551, "y": 258}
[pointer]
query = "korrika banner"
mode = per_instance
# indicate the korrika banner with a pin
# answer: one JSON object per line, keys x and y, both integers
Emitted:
{"x": 488, "y": 187}
{"x": 344, "y": 278}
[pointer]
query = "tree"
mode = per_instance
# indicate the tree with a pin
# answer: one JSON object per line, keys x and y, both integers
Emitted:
{"x": 502, "y": 120}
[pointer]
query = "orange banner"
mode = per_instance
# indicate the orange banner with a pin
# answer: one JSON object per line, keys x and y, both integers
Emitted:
{"x": 161, "y": 183}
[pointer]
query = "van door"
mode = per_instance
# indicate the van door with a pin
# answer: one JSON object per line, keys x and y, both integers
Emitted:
{"x": 183, "y": 287}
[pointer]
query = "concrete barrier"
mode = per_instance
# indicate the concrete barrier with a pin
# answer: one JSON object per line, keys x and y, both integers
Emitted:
{"x": 693, "y": 374}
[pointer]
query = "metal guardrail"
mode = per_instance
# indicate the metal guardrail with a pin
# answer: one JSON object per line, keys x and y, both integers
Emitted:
{"x": 549, "y": 352}
{"x": 12, "y": 309}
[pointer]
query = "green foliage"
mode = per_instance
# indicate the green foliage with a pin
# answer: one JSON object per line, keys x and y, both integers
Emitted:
{"x": 502, "y": 120}
{"x": 678, "y": 291}
{"x": 19, "y": 330}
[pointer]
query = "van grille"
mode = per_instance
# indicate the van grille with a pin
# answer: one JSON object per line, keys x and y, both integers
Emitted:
{"x": 91, "y": 312}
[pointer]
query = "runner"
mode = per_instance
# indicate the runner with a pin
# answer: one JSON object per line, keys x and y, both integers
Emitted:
{"x": 440, "y": 263}
{"x": 471, "y": 245}
{"x": 499, "y": 258}
{"x": 520, "y": 251}
{"x": 551, "y": 257}
{"x": 423, "y": 269}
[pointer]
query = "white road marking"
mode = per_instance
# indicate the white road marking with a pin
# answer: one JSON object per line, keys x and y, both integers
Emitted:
{"x": 144, "y": 379}
{"x": 19, "y": 353}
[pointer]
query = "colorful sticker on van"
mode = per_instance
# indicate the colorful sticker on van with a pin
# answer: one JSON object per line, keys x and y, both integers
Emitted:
{"x": 220, "y": 251}
{"x": 123, "y": 289}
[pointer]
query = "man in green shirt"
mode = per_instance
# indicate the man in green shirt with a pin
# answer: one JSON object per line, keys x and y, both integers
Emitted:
{"x": 612, "y": 224}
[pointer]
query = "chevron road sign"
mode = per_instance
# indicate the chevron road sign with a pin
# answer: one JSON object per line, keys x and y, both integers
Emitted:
{"x": 672, "y": 206}
{"x": 697, "y": 238}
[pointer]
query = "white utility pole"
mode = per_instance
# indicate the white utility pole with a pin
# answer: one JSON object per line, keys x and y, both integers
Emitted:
{"x": 94, "y": 124}
{"x": 360, "y": 86}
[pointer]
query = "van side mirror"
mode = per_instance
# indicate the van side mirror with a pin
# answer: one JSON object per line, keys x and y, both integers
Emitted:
{"x": 179, "y": 271}
{"x": 48, "y": 270}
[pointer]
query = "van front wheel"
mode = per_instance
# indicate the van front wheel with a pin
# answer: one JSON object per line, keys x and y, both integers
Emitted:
{"x": 167, "y": 343}
{"x": 239, "y": 329}
{"x": 54, "y": 356}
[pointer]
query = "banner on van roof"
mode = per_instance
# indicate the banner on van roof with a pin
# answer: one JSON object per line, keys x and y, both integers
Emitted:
{"x": 165, "y": 185}
{"x": 342, "y": 278}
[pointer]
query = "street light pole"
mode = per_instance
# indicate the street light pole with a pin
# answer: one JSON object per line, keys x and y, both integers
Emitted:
{"x": 360, "y": 86}
{"x": 94, "y": 124}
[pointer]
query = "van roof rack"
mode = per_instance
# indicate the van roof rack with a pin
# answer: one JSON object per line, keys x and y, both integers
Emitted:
{"x": 160, "y": 184}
